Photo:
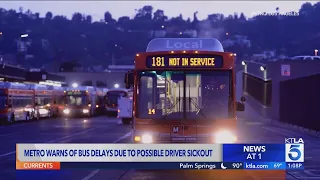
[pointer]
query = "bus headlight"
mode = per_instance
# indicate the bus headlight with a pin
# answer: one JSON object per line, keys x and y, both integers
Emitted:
{"x": 85, "y": 111}
{"x": 224, "y": 136}
{"x": 66, "y": 111}
{"x": 146, "y": 139}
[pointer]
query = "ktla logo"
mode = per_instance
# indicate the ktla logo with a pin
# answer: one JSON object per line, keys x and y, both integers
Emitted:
{"x": 294, "y": 152}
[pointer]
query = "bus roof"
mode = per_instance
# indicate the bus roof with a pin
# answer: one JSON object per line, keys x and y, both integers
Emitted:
{"x": 180, "y": 44}
{"x": 81, "y": 88}
{"x": 118, "y": 89}
{"x": 39, "y": 87}
{"x": 57, "y": 88}
{"x": 13, "y": 85}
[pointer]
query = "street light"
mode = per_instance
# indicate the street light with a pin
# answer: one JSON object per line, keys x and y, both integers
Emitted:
{"x": 162, "y": 26}
{"x": 24, "y": 35}
{"x": 243, "y": 63}
{"x": 316, "y": 52}
{"x": 116, "y": 86}
{"x": 74, "y": 85}
{"x": 262, "y": 68}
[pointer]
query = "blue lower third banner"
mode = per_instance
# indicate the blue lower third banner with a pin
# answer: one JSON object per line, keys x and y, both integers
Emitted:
{"x": 265, "y": 165}
{"x": 152, "y": 165}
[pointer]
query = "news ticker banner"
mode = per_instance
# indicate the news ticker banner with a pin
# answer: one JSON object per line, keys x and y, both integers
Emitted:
{"x": 154, "y": 156}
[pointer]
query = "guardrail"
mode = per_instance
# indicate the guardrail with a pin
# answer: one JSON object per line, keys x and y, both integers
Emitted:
{"x": 259, "y": 89}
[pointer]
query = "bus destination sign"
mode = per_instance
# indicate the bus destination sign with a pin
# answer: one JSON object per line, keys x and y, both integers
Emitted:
{"x": 184, "y": 61}
{"x": 75, "y": 92}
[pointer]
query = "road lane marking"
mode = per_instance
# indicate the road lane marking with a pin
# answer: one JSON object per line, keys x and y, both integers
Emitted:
{"x": 1, "y": 135}
{"x": 6, "y": 154}
{"x": 96, "y": 171}
{"x": 71, "y": 135}
{"x": 123, "y": 137}
{"x": 93, "y": 173}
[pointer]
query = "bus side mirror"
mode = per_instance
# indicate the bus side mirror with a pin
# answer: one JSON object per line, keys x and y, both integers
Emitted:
{"x": 240, "y": 106}
{"x": 9, "y": 105}
{"x": 129, "y": 79}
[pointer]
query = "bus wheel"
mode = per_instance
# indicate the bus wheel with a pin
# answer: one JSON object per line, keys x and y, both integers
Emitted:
{"x": 36, "y": 116}
{"x": 32, "y": 116}
{"x": 27, "y": 116}
{"x": 49, "y": 114}
{"x": 12, "y": 118}
{"x": 126, "y": 120}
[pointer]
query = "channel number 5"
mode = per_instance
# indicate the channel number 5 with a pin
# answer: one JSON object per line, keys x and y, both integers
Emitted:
{"x": 294, "y": 149}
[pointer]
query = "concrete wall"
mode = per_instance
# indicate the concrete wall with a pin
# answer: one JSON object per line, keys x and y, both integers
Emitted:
{"x": 110, "y": 78}
{"x": 298, "y": 68}
{"x": 298, "y": 106}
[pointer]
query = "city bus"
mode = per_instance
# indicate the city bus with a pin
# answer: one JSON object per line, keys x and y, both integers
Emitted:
{"x": 111, "y": 99}
{"x": 16, "y": 102}
{"x": 184, "y": 92}
{"x": 43, "y": 97}
{"x": 80, "y": 100}
{"x": 101, "y": 92}
{"x": 58, "y": 104}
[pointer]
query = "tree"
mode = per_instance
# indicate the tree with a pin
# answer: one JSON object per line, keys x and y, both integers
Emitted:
{"x": 94, "y": 43}
{"x": 77, "y": 17}
{"x": 49, "y": 15}
{"x": 89, "y": 19}
{"x": 69, "y": 66}
{"x": 108, "y": 17}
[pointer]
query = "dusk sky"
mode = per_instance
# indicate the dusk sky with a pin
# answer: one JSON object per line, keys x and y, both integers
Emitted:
{"x": 171, "y": 8}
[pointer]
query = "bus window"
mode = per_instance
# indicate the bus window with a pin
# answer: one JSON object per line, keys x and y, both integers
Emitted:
{"x": 76, "y": 100}
{"x": 208, "y": 94}
{"x": 112, "y": 97}
{"x": 159, "y": 96}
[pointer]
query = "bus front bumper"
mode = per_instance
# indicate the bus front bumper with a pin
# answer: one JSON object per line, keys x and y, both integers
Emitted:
{"x": 76, "y": 112}
{"x": 222, "y": 136}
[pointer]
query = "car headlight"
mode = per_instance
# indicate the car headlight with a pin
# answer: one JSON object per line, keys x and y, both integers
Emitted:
{"x": 43, "y": 111}
{"x": 146, "y": 139}
{"x": 224, "y": 136}
{"x": 28, "y": 109}
{"x": 85, "y": 111}
{"x": 66, "y": 111}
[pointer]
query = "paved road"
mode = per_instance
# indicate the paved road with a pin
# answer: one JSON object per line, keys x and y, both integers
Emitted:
{"x": 108, "y": 130}
{"x": 251, "y": 129}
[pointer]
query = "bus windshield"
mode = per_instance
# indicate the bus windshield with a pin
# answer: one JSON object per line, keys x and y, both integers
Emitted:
{"x": 112, "y": 96}
{"x": 192, "y": 95}
{"x": 76, "y": 100}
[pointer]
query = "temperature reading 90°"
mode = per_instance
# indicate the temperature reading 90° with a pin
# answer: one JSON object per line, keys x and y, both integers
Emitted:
{"x": 237, "y": 165}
